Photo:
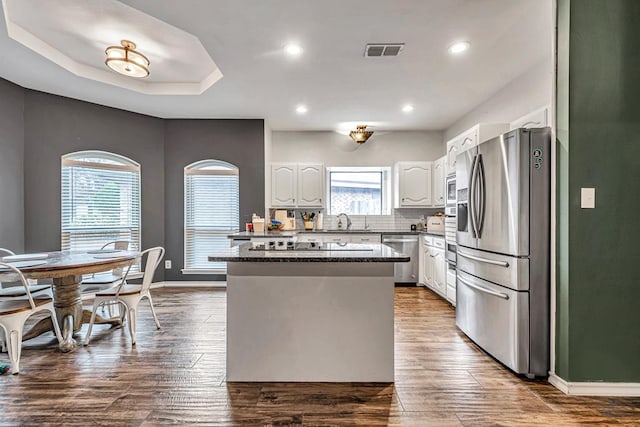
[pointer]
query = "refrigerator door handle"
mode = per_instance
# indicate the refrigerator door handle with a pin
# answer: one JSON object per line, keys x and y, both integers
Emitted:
{"x": 485, "y": 260}
{"x": 471, "y": 197}
{"x": 481, "y": 195}
{"x": 483, "y": 289}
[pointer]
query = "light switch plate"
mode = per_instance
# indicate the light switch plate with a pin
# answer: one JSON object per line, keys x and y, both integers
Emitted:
{"x": 167, "y": 264}
{"x": 588, "y": 198}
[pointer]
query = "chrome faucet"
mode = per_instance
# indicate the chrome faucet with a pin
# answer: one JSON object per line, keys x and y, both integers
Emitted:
{"x": 340, "y": 221}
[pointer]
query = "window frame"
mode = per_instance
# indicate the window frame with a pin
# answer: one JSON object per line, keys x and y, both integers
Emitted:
{"x": 386, "y": 195}
{"x": 113, "y": 162}
{"x": 206, "y": 167}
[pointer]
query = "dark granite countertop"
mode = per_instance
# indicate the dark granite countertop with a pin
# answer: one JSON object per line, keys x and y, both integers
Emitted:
{"x": 332, "y": 252}
{"x": 247, "y": 235}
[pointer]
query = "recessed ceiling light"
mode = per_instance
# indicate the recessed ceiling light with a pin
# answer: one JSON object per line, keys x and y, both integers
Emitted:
{"x": 293, "y": 49}
{"x": 301, "y": 109}
{"x": 459, "y": 47}
{"x": 407, "y": 108}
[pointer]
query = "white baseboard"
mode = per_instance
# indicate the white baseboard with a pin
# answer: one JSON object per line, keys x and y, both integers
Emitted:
{"x": 595, "y": 388}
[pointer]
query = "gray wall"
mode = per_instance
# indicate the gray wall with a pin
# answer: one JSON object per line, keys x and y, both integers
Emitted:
{"x": 240, "y": 142}
{"x": 55, "y": 126}
{"x": 11, "y": 166}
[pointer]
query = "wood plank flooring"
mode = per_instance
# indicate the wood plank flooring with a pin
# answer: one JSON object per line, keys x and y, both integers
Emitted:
{"x": 176, "y": 376}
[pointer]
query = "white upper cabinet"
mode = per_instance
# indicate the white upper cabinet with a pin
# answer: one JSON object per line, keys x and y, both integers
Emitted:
{"x": 310, "y": 184}
{"x": 470, "y": 138}
{"x": 413, "y": 184}
{"x": 535, "y": 119}
{"x": 438, "y": 182}
{"x": 453, "y": 148}
{"x": 283, "y": 184}
{"x": 297, "y": 184}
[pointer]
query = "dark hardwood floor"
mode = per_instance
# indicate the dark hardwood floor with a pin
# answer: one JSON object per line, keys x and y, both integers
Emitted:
{"x": 176, "y": 376}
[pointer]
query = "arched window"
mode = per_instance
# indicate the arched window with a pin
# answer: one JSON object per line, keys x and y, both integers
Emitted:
{"x": 211, "y": 212}
{"x": 100, "y": 200}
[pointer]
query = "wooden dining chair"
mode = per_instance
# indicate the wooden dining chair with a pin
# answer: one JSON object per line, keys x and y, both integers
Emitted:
{"x": 130, "y": 295}
{"x": 14, "y": 313}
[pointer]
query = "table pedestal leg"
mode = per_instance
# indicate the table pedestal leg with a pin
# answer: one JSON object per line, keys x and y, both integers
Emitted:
{"x": 67, "y": 301}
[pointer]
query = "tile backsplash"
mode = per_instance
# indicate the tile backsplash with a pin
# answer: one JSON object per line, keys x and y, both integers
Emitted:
{"x": 400, "y": 219}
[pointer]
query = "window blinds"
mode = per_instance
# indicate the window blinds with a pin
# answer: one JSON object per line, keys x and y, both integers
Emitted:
{"x": 100, "y": 203}
{"x": 212, "y": 211}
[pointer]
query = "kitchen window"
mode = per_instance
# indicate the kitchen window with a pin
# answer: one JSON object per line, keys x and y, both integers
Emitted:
{"x": 359, "y": 190}
{"x": 211, "y": 213}
{"x": 100, "y": 200}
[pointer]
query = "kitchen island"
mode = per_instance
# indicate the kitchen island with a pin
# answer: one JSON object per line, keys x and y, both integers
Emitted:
{"x": 310, "y": 313}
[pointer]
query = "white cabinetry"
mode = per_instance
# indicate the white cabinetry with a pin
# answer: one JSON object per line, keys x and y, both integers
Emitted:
{"x": 413, "y": 184}
{"x": 294, "y": 184}
{"x": 439, "y": 271}
{"x": 310, "y": 184}
{"x": 453, "y": 147}
{"x": 438, "y": 182}
{"x": 283, "y": 184}
{"x": 433, "y": 264}
{"x": 535, "y": 119}
{"x": 469, "y": 139}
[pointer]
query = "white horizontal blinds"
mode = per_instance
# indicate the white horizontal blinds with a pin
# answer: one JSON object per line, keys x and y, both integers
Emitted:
{"x": 212, "y": 211}
{"x": 100, "y": 200}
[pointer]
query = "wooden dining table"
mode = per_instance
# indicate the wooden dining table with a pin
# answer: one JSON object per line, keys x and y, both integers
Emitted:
{"x": 66, "y": 269}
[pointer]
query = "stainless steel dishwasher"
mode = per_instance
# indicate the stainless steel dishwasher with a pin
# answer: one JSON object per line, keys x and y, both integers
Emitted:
{"x": 405, "y": 272}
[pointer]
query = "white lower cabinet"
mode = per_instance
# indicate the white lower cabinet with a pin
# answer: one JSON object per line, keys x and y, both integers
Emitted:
{"x": 433, "y": 264}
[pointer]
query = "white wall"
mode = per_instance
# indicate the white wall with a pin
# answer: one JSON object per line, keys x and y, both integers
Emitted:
{"x": 528, "y": 92}
{"x": 334, "y": 149}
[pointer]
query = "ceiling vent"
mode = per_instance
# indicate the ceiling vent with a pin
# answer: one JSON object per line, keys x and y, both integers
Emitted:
{"x": 383, "y": 49}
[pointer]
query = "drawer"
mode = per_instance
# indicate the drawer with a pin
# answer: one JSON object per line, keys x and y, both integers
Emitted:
{"x": 310, "y": 238}
{"x": 336, "y": 238}
{"x": 365, "y": 238}
{"x": 495, "y": 318}
{"x": 427, "y": 240}
{"x": 438, "y": 242}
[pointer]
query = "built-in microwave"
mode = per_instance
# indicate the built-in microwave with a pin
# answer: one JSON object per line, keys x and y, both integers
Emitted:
{"x": 451, "y": 190}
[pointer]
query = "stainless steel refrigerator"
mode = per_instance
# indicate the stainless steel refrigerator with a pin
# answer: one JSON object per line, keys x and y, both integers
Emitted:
{"x": 503, "y": 237}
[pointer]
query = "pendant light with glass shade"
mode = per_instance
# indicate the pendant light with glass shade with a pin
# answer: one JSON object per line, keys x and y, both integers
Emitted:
{"x": 126, "y": 60}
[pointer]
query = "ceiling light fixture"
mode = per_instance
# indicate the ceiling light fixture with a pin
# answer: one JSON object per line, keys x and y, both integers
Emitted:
{"x": 407, "y": 108}
{"x": 361, "y": 134}
{"x": 301, "y": 109}
{"x": 459, "y": 47}
{"x": 293, "y": 49}
{"x": 126, "y": 60}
